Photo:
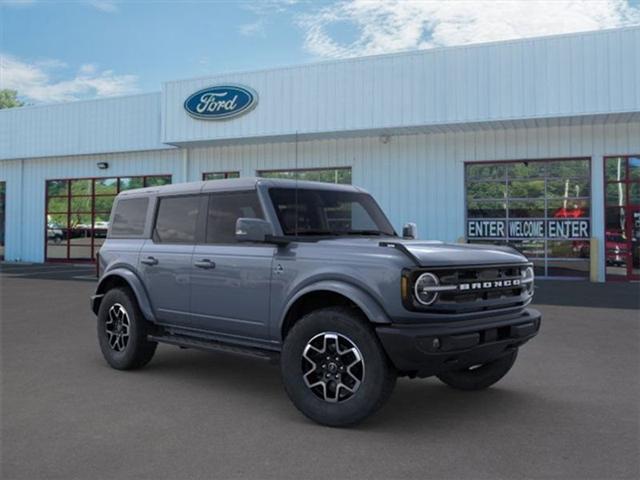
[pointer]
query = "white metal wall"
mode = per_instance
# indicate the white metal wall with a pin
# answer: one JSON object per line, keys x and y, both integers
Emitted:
{"x": 25, "y": 198}
{"x": 93, "y": 126}
{"x": 567, "y": 75}
{"x": 414, "y": 177}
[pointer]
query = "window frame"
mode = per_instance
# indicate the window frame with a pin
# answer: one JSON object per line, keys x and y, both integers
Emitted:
{"x": 3, "y": 217}
{"x": 627, "y": 182}
{"x": 92, "y": 247}
{"x": 545, "y": 260}
{"x": 226, "y": 174}
{"x": 260, "y": 173}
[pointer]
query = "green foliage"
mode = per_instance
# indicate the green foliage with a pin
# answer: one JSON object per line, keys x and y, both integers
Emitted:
{"x": 9, "y": 99}
{"x": 332, "y": 175}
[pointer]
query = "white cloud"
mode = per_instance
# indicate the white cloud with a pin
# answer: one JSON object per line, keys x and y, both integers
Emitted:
{"x": 88, "y": 69}
{"x": 262, "y": 7}
{"x": 35, "y": 81}
{"x": 253, "y": 29}
{"x": 394, "y": 25}
{"x": 108, "y": 6}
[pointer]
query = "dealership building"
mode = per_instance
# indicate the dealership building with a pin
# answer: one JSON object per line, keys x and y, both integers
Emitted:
{"x": 533, "y": 143}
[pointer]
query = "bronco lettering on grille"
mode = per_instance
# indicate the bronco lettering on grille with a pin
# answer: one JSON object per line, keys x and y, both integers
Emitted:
{"x": 489, "y": 285}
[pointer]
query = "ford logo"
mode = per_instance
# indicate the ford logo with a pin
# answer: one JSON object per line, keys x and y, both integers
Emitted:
{"x": 221, "y": 102}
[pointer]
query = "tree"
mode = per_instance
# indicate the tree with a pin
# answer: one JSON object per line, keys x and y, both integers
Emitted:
{"x": 9, "y": 99}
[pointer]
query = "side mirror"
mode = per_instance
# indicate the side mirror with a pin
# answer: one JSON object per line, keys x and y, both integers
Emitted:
{"x": 410, "y": 231}
{"x": 252, "y": 230}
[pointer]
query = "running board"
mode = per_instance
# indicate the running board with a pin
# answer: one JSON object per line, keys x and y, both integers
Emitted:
{"x": 211, "y": 345}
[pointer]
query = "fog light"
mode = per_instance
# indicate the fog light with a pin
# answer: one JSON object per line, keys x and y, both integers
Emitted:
{"x": 435, "y": 343}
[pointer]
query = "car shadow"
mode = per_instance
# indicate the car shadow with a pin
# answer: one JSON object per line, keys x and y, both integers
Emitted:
{"x": 413, "y": 406}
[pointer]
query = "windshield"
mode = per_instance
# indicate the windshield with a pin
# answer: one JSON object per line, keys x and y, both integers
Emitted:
{"x": 328, "y": 212}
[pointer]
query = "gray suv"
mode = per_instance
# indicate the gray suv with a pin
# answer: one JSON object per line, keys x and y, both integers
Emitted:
{"x": 314, "y": 276}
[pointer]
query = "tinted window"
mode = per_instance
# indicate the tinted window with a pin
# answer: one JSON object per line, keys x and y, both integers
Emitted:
{"x": 225, "y": 209}
{"x": 328, "y": 212}
{"x": 129, "y": 217}
{"x": 176, "y": 220}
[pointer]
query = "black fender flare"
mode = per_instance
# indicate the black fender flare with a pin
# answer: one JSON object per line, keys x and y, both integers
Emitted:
{"x": 362, "y": 299}
{"x": 134, "y": 283}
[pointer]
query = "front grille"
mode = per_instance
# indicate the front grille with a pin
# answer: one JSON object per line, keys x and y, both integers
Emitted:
{"x": 480, "y": 288}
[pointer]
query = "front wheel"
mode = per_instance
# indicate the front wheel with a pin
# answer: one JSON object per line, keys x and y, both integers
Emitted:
{"x": 479, "y": 377}
{"x": 123, "y": 330}
{"x": 334, "y": 368}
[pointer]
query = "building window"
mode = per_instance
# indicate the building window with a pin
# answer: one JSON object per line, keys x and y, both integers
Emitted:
{"x": 77, "y": 213}
{"x": 540, "y": 207}
{"x": 3, "y": 189}
{"x": 219, "y": 175}
{"x": 329, "y": 175}
{"x": 622, "y": 217}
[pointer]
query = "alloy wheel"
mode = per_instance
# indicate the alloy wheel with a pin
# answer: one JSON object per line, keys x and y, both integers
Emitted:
{"x": 332, "y": 366}
{"x": 117, "y": 327}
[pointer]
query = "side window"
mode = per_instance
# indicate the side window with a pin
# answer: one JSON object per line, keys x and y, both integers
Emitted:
{"x": 129, "y": 217}
{"x": 176, "y": 220}
{"x": 225, "y": 209}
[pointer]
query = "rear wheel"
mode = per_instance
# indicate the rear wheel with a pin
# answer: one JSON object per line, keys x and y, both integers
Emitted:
{"x": 334, "y": 368}
{"x": 122, "y": 331}
{"x": 479, "y": 377}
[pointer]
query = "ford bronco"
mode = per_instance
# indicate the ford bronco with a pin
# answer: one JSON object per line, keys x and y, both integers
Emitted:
{"x": 314, "y": 276}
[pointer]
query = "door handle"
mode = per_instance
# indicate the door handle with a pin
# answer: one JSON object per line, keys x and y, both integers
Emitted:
{"x": 204, "y": 263}
{"x": 149, "y": 261}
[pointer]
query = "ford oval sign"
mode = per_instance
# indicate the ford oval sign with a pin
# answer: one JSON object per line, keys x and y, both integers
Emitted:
{"x": 221, "y": 102}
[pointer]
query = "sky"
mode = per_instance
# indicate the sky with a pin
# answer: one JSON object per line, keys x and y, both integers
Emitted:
{"x": 57, "y": 51}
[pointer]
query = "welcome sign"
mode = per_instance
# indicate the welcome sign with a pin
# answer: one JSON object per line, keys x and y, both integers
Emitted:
{"x": 557, "y": 229}
{"x": 221, "y": 102}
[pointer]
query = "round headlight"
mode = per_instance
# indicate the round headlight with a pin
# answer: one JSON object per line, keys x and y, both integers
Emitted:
{"x": 425, "y": 288}
{"x": 527, "y": 278}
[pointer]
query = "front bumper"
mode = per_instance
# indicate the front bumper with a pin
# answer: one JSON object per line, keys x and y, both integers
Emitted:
{"x": 427, "y": 349}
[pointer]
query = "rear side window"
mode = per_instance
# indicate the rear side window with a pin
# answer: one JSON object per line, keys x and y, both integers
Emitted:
{"x": 225, "y": 209}
{"x": 129, "y": 217}
{"x": 176, "y": 220}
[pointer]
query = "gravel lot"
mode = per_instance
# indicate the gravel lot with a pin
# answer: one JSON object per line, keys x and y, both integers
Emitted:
{"x": 568, "y": 409}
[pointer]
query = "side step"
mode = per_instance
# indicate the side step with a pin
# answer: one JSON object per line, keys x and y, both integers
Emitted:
{"x": 212, "y": 345}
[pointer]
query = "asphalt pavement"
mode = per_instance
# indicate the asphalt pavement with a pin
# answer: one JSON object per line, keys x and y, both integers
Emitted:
{"x": 569, "y": 408}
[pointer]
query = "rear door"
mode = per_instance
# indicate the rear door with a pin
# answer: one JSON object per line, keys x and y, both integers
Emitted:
{"x": 165, "y": 259}
{"x": 231, "y": 281}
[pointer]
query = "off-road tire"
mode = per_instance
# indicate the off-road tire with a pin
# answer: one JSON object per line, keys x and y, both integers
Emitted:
{"x": 379, "y": 374}
{"x": 481, "y": 377}
{"x": 137, "y": 351}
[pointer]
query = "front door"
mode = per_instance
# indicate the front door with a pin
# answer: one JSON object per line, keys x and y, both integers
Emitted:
{"x": 231, "y": 281}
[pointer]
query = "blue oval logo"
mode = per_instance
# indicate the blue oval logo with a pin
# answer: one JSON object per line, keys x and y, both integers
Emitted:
{"x": 221, "y": 102}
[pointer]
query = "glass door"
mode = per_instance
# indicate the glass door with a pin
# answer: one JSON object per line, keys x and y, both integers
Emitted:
{"x": 622, "y": 217}
{"x": 3, "y": 187}
{"x": 633, "y": 264}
